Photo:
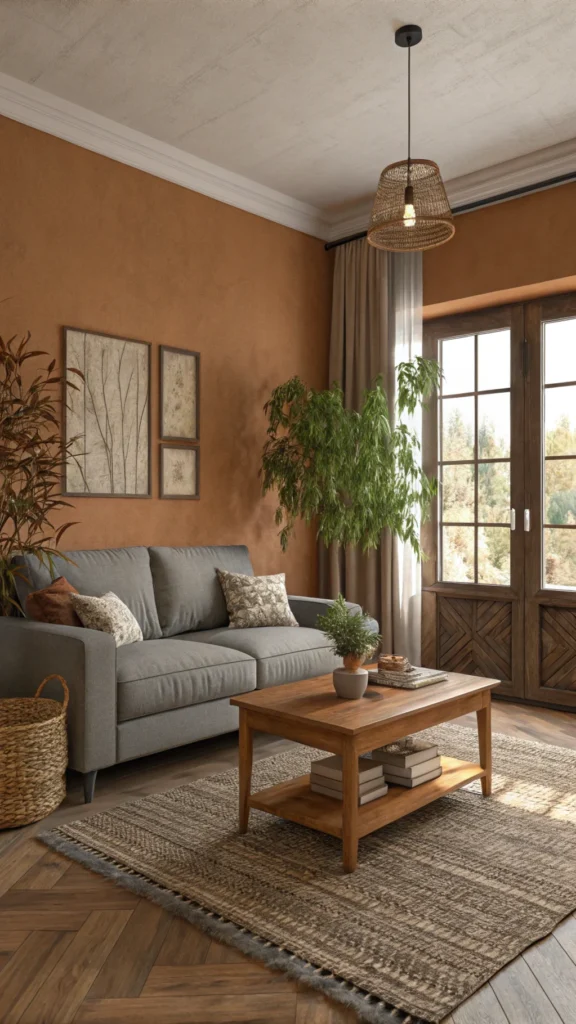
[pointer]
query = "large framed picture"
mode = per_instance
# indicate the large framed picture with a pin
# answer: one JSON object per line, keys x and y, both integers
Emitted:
{"x": 108, "y": 416}
{"x": 179, "y": 471}
{"x": 179, "y": 394}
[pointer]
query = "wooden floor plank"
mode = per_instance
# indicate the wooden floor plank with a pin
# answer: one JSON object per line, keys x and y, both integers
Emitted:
{"x": 556, "y": 973}
{"x": 258, "y": 1009}
{"x": 10, "y": 940}
{"x": 566, "y": 936}
{"x": 60, "y": 996}
{"x": 183, "y": 945}
{"x": 78, "y": 879}
{"x": 28, "y": 969}
{"x": 219, "y": 953}
{"x": 16, "y": 861}
{"x": 521, "y": 997}
{"x": 53, "y": 920}
{"x": 110, "y": 898}
{"x": 313, "y": 1008}
{"x": 482, "y": 1008}
{"x": 128, "y": 965}
{"x": 220, "y": 979}
{"x": 44, "y": 873}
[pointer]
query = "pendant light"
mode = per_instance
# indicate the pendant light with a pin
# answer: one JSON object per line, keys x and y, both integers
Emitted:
{"x": 411, "y": 211}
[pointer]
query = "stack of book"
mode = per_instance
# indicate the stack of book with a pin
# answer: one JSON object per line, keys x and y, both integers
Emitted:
{"x": 410, "y": 679}
{"x": 409, "y": 762}
{"x": 326, "y": 778}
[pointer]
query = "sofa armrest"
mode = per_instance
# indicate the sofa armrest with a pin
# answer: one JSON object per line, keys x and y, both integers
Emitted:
{"x": 86, "y": 658}
{"x": 307, "y": 609}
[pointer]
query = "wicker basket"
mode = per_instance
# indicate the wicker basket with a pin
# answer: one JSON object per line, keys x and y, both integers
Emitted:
{"x": 33, "y": 756}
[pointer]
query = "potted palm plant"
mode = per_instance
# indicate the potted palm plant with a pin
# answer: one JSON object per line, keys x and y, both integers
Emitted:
{"x": 32, "y": 456}
{"x": 353, "y": 641}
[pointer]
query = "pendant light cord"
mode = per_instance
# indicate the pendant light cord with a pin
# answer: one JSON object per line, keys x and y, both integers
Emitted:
{"x": 409, "y": 48}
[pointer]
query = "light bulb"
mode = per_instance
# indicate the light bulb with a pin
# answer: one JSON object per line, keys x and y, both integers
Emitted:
{"x": 409, "y": 216}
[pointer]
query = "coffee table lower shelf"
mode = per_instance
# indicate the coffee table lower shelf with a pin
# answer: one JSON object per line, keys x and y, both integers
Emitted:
{"x": 295, "y": 801}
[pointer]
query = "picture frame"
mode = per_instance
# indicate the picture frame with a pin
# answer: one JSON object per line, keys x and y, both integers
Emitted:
{"x": 180, "y": 472}
{"x": 179, "y": 394}
{"x": 108, "y": 413}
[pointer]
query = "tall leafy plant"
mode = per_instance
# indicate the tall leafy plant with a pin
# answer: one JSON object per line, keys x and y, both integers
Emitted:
{"x": 32, "y": 456}
{"x": 354, "y": 473}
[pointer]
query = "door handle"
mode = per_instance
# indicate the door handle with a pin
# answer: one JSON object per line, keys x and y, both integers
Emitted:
{"x": 512, "y": 518}
{"x": 526, "y": 520}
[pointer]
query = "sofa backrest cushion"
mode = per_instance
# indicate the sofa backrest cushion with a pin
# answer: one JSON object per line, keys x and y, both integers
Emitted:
{"x": 188, "y": 593}
{"x": 125, "y": 571}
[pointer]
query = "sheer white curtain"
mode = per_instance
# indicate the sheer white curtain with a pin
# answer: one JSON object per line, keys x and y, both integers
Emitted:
{"x": 376, "y": 324}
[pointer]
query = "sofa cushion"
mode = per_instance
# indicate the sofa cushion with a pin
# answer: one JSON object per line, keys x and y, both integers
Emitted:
{"x": 282, "y": 654}
{"x": 160, "y": 675}
{"x": 126, "y": 571}
{"x": 188, "y": 594}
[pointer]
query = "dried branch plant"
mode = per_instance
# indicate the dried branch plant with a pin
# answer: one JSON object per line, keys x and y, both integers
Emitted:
{"x": 32, "y": 456}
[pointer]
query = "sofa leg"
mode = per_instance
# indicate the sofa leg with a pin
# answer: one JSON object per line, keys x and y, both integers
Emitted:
{"x": 89, "y": 780}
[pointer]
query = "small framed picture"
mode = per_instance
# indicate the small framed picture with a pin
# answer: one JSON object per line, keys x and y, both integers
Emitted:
{"x": 179, "y": 471}
{"x": 179, "y": 394}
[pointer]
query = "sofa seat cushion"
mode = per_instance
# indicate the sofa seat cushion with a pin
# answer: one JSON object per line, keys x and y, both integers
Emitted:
{"x": 282, "y": 654}
{"x": 160, "y": 675}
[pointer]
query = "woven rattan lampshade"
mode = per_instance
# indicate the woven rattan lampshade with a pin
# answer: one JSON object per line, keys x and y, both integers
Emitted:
{"x": 433, "y": 223}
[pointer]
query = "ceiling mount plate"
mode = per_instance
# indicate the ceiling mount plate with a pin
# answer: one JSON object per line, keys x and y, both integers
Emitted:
{"x": 408, "y": 35}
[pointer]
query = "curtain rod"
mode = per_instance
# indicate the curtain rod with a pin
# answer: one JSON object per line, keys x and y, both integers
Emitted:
{"x": 514, "y": 193}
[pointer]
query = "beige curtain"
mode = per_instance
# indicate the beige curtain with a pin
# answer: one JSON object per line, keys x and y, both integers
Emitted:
{"x": 376, "y": 323}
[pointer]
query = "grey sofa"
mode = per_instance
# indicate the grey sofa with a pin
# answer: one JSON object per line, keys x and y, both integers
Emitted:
{"x": 174, "y": 686}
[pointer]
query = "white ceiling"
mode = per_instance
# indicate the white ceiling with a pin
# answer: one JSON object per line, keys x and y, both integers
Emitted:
{"x": 308, "y": 97}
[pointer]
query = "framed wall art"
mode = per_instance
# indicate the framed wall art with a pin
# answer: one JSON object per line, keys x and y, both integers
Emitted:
{"x": 179, "y": 394}
{"x": 179, "y": 471}
{"x": 108, "y": 416}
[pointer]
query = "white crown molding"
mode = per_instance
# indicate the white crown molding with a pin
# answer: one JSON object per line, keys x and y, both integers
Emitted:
{"x": 523, "y": 171}
{"x": 39, "y": 109}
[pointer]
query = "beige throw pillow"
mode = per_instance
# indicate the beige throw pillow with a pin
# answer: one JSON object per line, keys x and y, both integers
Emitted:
{"x": 256, "y": 600}
{"x": 109, "y": 615}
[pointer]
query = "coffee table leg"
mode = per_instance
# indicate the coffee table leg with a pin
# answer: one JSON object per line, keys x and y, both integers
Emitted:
{"x": 350, "y": 807}
{"x": 485, "y": 743}
{"x": 244, "y": 769}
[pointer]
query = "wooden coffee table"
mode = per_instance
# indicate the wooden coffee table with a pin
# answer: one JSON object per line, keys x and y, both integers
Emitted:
{"x": 310, "y": 712}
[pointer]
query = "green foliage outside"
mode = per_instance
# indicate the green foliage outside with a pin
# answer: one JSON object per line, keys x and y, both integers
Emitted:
{"x": 348, "y": 630}
{"x": 354, "y": 474}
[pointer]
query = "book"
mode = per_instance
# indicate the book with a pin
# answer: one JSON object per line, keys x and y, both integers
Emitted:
{"x": 411, "y": 680}
{"x": 363, "y": 798}
{"x": 413, "y": 772}
{"x": 405, "y": 753}
{"x": 397, "y": 780}
{"x": 331, "y": 767}
{"x": 364, "y": 787}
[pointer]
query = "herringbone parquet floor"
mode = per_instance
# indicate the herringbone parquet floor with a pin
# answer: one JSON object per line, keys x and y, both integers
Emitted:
{"x": 74, "y": 947}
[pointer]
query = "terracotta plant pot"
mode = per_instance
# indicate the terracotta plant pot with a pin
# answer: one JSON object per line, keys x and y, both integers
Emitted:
{"x": 353, "y": 661}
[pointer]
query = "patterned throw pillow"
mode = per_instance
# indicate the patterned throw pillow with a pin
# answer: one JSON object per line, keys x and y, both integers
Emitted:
{"x": 256, "y": 600}
{"x": 109, "y": 615}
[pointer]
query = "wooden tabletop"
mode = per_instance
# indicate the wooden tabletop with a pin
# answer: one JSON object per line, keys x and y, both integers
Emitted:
{"x": 315, "y": 701}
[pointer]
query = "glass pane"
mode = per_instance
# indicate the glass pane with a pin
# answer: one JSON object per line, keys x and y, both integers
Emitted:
{"x": 457, "y": 429}
{"x": 559, "y": 351}
{"x": 560, "y": 421}
{"x": 560, "y": 491}
{"x": 493, "y": 426}
{"x": 494, "y": 492}
{"x": 458, "y": 494}
{"x": 494, "y": 360}
{"x": 560, "y": 558}
{"x": 457, "y": 365}
{"x": 494, "y": 555}
{"x": 458, "y": 554}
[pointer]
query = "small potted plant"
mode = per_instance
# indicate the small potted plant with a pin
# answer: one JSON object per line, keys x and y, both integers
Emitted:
{"x": 353, "y": 641}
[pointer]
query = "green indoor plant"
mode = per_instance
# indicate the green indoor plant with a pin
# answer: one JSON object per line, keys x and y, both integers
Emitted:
{"x": 354, "y": 473}
{"x": 353, "y": 641}
{"x": 32, "y": 456}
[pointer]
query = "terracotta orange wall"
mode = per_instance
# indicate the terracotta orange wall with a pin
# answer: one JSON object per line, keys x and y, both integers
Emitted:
{"x": 91, "y": 243}
{"x": 509, "y": 252}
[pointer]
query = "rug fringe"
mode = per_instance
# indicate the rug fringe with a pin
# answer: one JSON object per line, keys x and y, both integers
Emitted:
{"x": 219, "y": 928}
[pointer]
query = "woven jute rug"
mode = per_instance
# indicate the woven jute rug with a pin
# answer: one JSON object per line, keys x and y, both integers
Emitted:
{"x": 440, "y": 901}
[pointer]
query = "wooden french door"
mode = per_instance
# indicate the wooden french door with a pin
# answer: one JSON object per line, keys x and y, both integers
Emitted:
{"x": 499, "y": 582}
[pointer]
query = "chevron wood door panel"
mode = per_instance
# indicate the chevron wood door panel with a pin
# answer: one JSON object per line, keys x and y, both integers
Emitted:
{"x": 558, "y": 648}
{"x": 475, "y": 637}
